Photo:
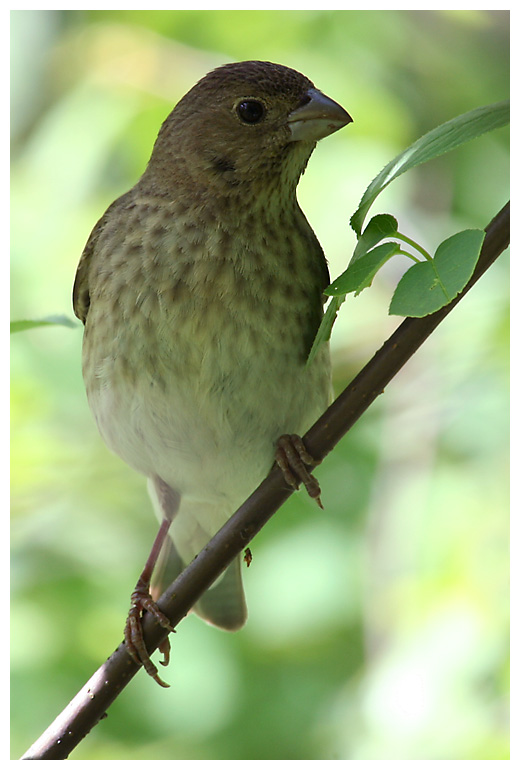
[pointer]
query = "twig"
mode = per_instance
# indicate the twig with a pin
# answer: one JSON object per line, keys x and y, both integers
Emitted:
{"x": 91, "y": 703}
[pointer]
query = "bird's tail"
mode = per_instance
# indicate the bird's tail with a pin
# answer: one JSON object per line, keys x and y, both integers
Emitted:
{"x": 223, "y": 604}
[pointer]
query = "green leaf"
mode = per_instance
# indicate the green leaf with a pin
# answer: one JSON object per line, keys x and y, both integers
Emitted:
{"x": 360, "y": 273}
{"x": 381, "y": 226}
{"x": 52, "y": 320}
{"x": 430, "y": 285}
{"x": 440, "y": 140}
{"x": 325, "y": 328}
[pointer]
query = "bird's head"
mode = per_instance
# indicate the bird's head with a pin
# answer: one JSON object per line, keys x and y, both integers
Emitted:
{"x": 242, "y": 123}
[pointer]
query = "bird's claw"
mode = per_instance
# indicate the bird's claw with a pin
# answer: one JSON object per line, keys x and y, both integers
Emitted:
{"x": 134, "y": 640}
{"x": 292, "y": 458}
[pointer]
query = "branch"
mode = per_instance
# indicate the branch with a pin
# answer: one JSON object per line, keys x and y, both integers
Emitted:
{"x": 91, "y": 703}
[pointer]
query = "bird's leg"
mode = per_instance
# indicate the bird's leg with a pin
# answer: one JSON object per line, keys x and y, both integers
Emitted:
{"x": 141, "y": 599}
{"x": 292, "y": 458}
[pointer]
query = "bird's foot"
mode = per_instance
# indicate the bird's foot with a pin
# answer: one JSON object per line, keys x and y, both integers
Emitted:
{"x": 292, "y": 458}
{"x": 134, "y": 640}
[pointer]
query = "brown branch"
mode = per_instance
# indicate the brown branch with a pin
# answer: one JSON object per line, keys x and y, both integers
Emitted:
{"x": 90, "y": 704}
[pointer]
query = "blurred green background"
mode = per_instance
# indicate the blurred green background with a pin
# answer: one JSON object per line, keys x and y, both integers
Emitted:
{"x": 378, "y": 628}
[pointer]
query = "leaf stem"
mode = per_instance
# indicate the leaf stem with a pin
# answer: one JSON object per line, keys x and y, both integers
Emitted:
{"x": 414, "y": 245}
{"x": 407, "y": 254}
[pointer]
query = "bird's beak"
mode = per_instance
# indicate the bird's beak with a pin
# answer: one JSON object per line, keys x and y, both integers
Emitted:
{"x": 318, "y": 117}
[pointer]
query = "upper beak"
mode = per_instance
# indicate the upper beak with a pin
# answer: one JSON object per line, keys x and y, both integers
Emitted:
{"x": 317, "y": 118}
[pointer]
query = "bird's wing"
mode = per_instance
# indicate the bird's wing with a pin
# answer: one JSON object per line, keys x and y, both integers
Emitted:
{"x": 81, "y": 291}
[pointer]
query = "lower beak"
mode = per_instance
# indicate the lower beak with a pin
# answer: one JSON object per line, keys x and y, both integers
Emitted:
{"x": 318, "y": 117}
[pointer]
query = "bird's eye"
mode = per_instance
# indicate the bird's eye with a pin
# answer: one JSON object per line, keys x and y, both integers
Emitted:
{"x": 250, "y": 111}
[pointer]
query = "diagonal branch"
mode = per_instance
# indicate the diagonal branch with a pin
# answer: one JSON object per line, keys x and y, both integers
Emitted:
{"x": 90, "y": 704}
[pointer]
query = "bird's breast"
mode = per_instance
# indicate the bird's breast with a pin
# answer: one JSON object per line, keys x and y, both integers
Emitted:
{"x": 197, "y": 349}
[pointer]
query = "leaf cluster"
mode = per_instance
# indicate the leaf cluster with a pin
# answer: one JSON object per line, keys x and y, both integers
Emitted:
{"x": 432, "y": 281}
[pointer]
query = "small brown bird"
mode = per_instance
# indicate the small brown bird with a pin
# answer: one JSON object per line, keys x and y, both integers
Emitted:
{"x": 201, "y": 293}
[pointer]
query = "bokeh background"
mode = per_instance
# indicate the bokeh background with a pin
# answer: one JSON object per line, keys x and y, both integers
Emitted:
{"x": 378, "y": 628}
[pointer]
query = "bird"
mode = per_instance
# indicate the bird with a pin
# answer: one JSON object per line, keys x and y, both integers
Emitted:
{"x": 201, "y": 292}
